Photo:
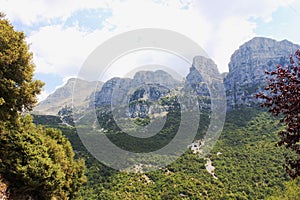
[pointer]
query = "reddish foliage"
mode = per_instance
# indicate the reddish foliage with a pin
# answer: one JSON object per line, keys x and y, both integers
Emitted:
{"x": 282, "y": 97}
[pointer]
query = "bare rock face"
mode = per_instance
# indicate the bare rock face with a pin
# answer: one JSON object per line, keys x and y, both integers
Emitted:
{"x": 63, "y": 97}
{"x": 245, "y": 78}
{"x": 104, "y": 96}
{"x": 141, "y": 93}
{"x": 247, "y": 65}
{"x": 202, "y": 67}
{"x": 141, "y": 101}
{"x": 158, "y": 76}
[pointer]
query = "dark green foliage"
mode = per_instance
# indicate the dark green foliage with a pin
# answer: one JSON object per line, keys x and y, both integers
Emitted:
{"x": 46, "y": 120}
{"x": 18, "y": 90}
{"x": 291, "y": 191}
{"x": 135, "y": 144}
{"x": 39, "y": 162}
{"x": 142, "y": 121}
{"x": 250, "y": 166}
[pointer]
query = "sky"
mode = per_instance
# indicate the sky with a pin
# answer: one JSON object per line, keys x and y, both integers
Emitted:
{"x": 62, "y": 34}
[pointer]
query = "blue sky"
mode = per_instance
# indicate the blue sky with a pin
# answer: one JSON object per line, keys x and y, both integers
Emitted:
{"x": 62, "y": 34}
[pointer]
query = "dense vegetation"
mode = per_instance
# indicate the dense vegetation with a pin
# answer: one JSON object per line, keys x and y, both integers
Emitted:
{"x": 250, "y": 166}
{"x": 39, "y": 162}
{"x": 18, "y": 90}
{"x": 36, "y": 162}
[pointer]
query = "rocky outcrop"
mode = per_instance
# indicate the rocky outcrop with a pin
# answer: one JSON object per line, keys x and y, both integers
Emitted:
{"x": 202, "y": 66}
{"x": 245, "y": 78}
{"x": 63, "y": 96}
{"x": 144, "y": 100}
{"x": 141, "y": 93}
{"x": 159, "y": 76}
{"x": 247, "y": 65}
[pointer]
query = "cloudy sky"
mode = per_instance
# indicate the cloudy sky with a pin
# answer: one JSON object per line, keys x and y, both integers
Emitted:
{"x": 62, "y": 34}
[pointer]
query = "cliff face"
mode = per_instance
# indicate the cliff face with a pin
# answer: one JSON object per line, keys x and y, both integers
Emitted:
{"x": 202, "y": 66}
{"x": 141, "y": 93}
{"x": 247, "y": 65}
{"x": 245, "y": 78}
{"x": 124, "y": 85}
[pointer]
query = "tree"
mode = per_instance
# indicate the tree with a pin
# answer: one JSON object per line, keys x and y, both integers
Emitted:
{"x": 36, "y": 161}
{"x": 282, "y": 97}
{"x": 18, "y": 90}
{"x": 39, "y": 162}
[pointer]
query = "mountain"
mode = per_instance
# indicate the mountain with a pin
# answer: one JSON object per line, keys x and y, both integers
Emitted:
{"x": 119, "y": 87}
{"x": 142, "y": 92}
{"x": 247, "y": 65}
{"x": 62, "y": 97}
{"x": 201, "y": 66}
{"x": 244, "y": 163}
{"x": 245, "y": 78}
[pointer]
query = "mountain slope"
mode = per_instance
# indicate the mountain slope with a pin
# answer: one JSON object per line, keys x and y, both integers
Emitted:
{"x": 62, "y": 97}
{"x": 247, "y": 164}
{"x": 244, "y": 79}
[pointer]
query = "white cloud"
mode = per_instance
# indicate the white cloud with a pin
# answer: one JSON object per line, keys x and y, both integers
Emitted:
{"x": 61, "y": 50}
{"x": 128, "y": 65}
{"x": 232, "y": 32}
{"x": 34, "y": 11}
{"x": 217, "y": 10}
{"x": 219, "y": 26}
{"x": 231, "y": 24}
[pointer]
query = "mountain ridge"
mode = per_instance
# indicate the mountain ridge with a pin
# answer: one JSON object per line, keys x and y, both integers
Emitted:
{"x": 63, "y": 96}
{"x": 245, "y": 77}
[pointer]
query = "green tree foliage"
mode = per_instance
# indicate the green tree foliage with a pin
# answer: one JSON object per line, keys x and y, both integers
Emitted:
{"x": 36, "y": 161}
{"x": 18, "y": 90}
{"x": 250, "y": 166}
{"x": 291, "y": 191}
{"x": 282, "y": 97}
{"x": 40, "y": 162}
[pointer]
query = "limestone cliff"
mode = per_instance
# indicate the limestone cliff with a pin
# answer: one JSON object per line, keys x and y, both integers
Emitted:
{"x": 247, "y": 65}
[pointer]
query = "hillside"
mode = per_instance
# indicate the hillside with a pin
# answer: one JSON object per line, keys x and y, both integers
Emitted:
{"x": 63, "y": 96}
{"x": 245, "y": 163}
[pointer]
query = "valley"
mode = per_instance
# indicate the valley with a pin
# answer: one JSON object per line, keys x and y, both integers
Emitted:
{"x": 245, "y": 163}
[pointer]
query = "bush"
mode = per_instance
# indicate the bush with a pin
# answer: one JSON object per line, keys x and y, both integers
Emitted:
{"x": 39, "y": 162}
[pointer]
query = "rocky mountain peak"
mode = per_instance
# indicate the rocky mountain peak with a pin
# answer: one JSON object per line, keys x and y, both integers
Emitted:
{"x": 245, "y": 78}
{"x": 121, "y": 87}
{"x": 247, "y": 65}
{"x": 205, "y": 65}
{"x": 158, "y": 76}
{"x": 202, "y": 66}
